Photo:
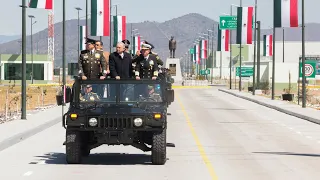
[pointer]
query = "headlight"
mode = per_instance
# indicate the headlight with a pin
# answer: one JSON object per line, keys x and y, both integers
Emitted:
{"x": 93, "y": 122}
{"x": 137, "y": 122}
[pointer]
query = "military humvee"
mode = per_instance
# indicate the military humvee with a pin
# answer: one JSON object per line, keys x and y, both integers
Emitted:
{"x": 116, "y": 112}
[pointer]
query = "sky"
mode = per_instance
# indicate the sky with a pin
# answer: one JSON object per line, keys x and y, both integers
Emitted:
{"x": 139, "y": 11}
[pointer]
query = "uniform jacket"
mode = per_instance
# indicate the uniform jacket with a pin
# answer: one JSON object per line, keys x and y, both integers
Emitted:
{"x": 146, "y": 68}
{"x": 90, "y": 65}
{"x": 120, "y": 67}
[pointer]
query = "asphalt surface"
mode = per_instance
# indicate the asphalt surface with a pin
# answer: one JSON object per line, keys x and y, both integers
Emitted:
{"x": 217, "y": 136}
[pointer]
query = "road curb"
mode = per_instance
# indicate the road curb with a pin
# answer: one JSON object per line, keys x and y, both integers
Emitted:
{"x": 308, "y": 118}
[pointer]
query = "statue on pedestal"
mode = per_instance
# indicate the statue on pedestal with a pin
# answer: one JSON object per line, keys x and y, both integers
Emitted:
{"x": 172, "y": 47}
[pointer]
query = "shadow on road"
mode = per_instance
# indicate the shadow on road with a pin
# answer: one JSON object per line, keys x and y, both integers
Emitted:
{"x": 289, "y": 154}
{"x": 99, "y": 159}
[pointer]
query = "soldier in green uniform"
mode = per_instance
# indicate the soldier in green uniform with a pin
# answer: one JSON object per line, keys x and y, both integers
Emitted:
{"x": 89, "y": 95}
{"x": 91, "y": 62}
{"x": 146, "y": 64}
{"x": 153, "y": 95}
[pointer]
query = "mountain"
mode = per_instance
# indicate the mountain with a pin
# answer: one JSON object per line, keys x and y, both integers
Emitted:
{"x": 4, "y": 39}
{"x": 185, "y": 29}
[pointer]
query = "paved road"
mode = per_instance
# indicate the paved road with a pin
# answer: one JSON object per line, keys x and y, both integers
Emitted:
{"x": 217, "y": 136}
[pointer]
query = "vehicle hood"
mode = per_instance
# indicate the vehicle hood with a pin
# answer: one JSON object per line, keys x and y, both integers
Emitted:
{"x": 122, "y": 109}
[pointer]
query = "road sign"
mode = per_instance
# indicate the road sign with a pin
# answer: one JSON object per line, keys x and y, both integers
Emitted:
{"x": 245, "y": 71}
{"x": 191, "y": 51}
{"x": 310, "y": 69}
{"x": 204, "y": 71}
{"x": 230, "y": 22}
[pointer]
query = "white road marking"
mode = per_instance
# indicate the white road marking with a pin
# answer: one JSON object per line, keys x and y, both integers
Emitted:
{"x": 27, "y": 173}
{"x": 291, "y": 128}
{"x": 309, "y": 137}
{"x": 42, "y": 162}
{"x": 298, "y": 132}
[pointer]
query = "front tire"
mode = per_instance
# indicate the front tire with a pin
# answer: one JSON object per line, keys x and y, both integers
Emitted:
{"x": 159, "y": 148}
{"x": 73, "y": 147}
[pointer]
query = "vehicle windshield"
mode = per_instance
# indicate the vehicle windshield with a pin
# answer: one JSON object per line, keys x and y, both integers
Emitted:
{"x": 140, "y": 93}
{"x": 126, "y": 92}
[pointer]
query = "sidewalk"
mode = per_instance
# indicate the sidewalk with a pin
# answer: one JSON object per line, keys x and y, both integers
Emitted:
{"x": 15, "y": 131}
{"x": 308, "y": 114}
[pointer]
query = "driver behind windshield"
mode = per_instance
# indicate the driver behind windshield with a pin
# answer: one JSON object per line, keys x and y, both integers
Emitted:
{"x": 153, "y": 95}
{"x": 89, "y": 95}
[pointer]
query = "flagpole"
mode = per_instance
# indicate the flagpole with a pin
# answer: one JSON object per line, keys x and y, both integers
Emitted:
{"x": 230, "y": 42}
{"x": 255, "y": 48}
{"x": 273, "y": 52}
{"x": 303, "y": 59}
{"x": 110, "y": 4}
{"x": 87, "y": 28}
{"x": 240, "y": 55}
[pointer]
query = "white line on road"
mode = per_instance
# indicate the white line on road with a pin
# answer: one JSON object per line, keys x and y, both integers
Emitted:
{"x": 27, "y": 173}
{"x": 309, "y": 137}
{"x": 298, "y": 132}
{"x": 42, "y": 162}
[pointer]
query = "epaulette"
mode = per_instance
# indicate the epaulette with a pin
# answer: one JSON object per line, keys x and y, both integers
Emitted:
{"x": 154, "y": 53}
{"x": 100, "y": 50}
{"x": 84, "y": 51}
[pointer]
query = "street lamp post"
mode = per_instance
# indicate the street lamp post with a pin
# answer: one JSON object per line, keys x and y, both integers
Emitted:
{"x": 23, "y": 78}
{"x": 79, "y": 9}
{"x": 32, "y": 23}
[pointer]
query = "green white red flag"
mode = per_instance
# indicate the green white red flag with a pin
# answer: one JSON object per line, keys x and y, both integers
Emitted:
{"x": 267, "y": 45}
{"x": 119, "y": 29}
{"x": 196, "y": 55}
{"x": 136, "y": 44}
{"x": 44, "y": 4}
{"x": 286, "y": 13}
{"x": 244, "y": 25}
{"x": 223, "y": 40}
{"x": 100, "y": 17}
{"x": 203, "y": 49}
{"x": 82, "y": 30}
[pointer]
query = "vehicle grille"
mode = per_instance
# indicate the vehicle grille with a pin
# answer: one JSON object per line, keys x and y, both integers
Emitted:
{"x": 115, "y": 122}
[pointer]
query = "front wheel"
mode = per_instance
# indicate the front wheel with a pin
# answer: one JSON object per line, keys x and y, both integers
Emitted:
{"x": 159, "y": 148}
{"x": 73, "y": 147}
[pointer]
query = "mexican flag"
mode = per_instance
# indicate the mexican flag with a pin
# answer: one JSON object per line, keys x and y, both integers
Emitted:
{"x": 196, "y": 54}
{"x": 119, "y": 29}
{"x": 45, "y": 4}
{"x": 136, "y": 44}
{"x": 82, "y": 45}
{"x": 286, "y": 13}
{"x": 267, "y": 45}
{"x": 100, "y": 17}
{"x": 223, "y": 40}
{"x": 204, "y": 49}
{"x": 244, "y": 25}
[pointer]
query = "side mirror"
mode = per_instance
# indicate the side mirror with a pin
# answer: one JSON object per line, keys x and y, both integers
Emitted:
{"x": 170, "y": 95}
{"x": 59, "y": 96}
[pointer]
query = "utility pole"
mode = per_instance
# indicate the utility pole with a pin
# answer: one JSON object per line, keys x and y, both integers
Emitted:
{"x": 24, "y": 63}
{"x": 255, "y": 48}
